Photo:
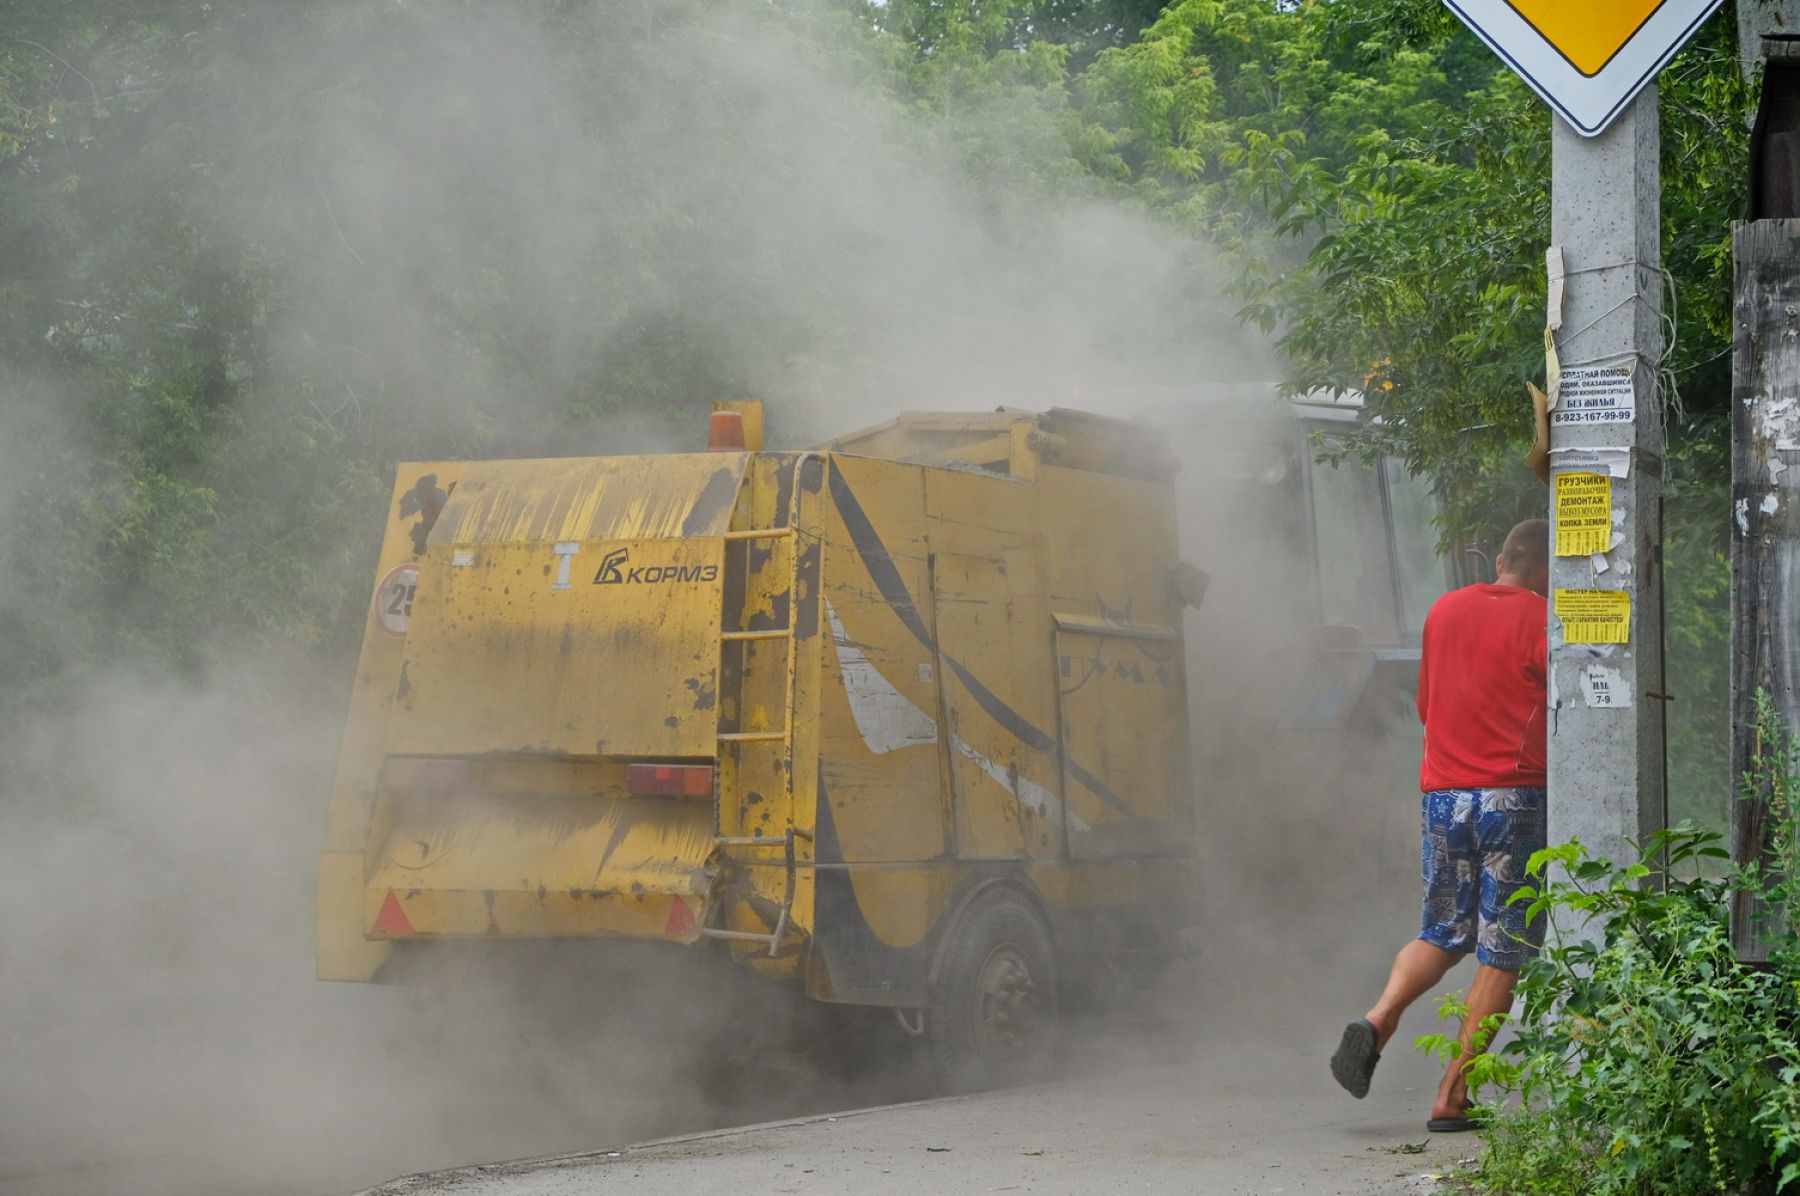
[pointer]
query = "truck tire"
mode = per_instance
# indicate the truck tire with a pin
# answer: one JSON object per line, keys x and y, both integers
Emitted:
{"x": 992, "y": 1013}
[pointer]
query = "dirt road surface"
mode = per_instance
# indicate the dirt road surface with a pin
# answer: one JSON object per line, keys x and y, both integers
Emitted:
{"x": 1215, "y": 1116}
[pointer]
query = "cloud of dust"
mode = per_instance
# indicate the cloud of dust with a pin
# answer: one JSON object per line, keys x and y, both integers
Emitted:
{"x": 695, "y": 177}
{"x": 1309, "y": 811}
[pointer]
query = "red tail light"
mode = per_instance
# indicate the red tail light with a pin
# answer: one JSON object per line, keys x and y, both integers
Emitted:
{"x": 669, "y": 780}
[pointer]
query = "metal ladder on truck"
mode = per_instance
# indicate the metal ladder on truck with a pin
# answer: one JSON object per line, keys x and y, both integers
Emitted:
{"x": 784, "y": 737}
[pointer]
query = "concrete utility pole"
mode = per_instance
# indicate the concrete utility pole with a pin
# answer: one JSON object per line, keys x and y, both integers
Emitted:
{"x": 1607, "y": 699}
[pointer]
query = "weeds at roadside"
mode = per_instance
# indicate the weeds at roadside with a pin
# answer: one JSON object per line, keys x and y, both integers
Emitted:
{"x": 1647, "y": 1060}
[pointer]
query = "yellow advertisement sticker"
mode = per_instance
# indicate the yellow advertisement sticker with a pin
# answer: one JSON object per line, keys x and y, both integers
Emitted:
{"x": 1594, "y": 616}
{"x": 1583, "y": 513}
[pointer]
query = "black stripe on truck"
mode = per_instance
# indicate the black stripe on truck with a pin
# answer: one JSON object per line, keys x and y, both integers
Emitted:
{"x": 887, "y": 579}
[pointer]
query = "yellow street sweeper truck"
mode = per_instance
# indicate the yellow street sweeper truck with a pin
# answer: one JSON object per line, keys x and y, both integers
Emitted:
{"x": 900, "y": 721}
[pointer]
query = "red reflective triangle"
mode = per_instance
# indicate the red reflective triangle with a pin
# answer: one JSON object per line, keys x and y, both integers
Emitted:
{"x": 392, "y": 919}
{"x": 681, "y": 924}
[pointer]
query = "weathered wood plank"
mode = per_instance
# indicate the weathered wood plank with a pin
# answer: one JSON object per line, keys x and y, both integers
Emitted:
{"x": 1765, "y": 511}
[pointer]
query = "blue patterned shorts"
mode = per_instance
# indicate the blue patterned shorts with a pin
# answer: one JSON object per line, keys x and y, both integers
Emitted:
{"x": 1476, "y": 845}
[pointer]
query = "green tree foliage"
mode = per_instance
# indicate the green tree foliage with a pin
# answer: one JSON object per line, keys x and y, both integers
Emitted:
{"x": 1378, "y": 182}
{"x": 1386, "y": 179}
{"x": 254, "y": 252}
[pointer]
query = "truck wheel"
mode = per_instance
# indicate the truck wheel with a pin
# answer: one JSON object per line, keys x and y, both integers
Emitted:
{"x": 993, "y": 1009}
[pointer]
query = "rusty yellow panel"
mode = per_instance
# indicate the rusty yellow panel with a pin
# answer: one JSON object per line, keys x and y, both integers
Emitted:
{"x": 1124, "y": 719}
{"x": 378, "y": 667}
{"x": 807, "y": 606}
{"x": 343, "y": 952}
{"x": 464, "y": 913}
{"x": 541, "y": 865}
{"x": 987, "y": 758}
{"x": 881, "y": 751}
{"x": 1017, "y": 442}
{"x": 984, "y": 440}
{"x": 501, "y": 776}
{"x": 1022, "y": 443}
{"x": 1112, "y": 547}
{"x": 1089, "y": 886}
{"x": 902, "y": 904}
{"x": 507, "y": 654}
{"x": 1120, "y": 663}
{"x": 589, "y": 499}
{"x": 993, "y": 653}
{"x": 421, "y": 489}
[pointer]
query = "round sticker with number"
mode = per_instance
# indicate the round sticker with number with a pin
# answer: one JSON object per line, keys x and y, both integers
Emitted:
{"x": 394, "y": 598}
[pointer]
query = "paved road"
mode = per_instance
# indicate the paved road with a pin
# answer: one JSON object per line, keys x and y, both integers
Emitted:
{"x": 1215, "y": 1117}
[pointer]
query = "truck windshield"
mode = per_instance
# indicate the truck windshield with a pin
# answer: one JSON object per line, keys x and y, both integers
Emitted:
{"x": 1356, "y": 580}
{"x": 1421, "y": 572}
{"x": 1378, "y": 566}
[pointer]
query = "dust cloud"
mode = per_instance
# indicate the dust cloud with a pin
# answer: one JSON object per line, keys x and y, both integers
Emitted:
{"x": 1306, "y": 769}
{"x": 709, "y": 181}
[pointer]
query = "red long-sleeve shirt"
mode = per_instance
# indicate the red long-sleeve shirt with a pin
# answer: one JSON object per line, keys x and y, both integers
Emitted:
{"x": 1481, "y": 689}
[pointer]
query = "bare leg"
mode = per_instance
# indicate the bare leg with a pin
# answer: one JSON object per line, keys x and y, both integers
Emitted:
{"x": 1491, "y": 993}
{"x": 1417, "y": 968}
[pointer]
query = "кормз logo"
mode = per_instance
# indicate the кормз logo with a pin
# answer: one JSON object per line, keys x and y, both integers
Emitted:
{"x": 613, "y": 571}
{"x": 609, "y": 567}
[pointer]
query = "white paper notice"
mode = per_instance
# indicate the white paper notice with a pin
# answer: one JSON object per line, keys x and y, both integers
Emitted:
{"x": 1595, "y": 395}
{"x": 1605, "y": 687}
{"x": 1616, "y": 461}
{"x": 1553, "y": 292}
{"x": 1779, "y": 420}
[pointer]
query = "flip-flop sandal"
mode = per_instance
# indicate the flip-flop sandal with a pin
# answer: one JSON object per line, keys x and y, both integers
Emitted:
{"x": 1355, "y": 1058}
{"x": 1450, "y": 1125}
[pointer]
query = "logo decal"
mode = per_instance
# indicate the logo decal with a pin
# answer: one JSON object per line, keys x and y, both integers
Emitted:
{"x": 565, "y": 556}
{"x": 609, "y": 567}
{"x": 614, "y": 571}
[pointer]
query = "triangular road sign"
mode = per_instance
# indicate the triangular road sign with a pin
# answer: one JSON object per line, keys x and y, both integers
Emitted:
{"x": 1586, "y": 58}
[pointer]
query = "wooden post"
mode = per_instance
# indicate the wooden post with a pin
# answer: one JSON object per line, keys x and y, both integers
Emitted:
{"x": 1765, "y": 513}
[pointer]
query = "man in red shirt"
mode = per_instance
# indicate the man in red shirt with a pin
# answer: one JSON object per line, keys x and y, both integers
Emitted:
{"x": 1481, "y": 697}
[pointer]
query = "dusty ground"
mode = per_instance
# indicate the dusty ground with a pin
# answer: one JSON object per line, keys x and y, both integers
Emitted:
{"x": 161, "y": 1033}
{"x": 1220, "y": 1117}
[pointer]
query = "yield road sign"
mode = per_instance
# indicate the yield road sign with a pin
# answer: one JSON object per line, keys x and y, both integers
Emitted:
{"x": 1586, "y": 58}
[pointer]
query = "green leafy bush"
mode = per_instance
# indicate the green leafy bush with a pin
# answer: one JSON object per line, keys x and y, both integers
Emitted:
{"x": 1648, "y": 1059}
